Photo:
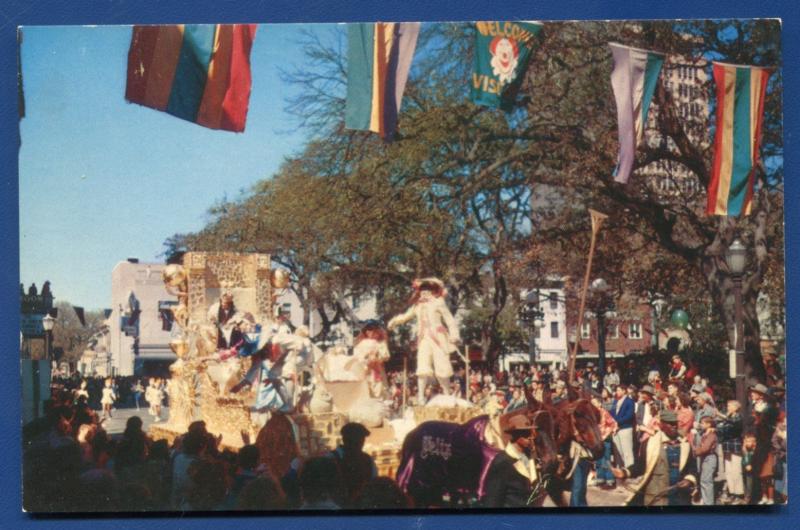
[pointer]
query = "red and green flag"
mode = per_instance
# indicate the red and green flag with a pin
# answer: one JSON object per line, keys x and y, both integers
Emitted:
{"x": 501, "y": 55}
{"x": 740, "y": 113}
{"x": 197, "y": 72}
{"x": 379, "y": 58}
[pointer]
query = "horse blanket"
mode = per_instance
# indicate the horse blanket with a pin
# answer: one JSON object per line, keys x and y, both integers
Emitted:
{"x": 441, "y": 457}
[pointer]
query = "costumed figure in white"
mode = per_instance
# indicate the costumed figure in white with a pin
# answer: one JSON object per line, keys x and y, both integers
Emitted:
{"x": 437, "y": 333}
{"x": 107, "y": 399}
{"x": 371, "y": 350}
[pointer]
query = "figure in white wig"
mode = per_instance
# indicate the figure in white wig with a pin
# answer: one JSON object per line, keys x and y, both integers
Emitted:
{"x": 437, "y": 333}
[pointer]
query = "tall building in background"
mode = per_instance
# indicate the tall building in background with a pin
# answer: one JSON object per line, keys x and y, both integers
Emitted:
{"x": 684, "y": 79}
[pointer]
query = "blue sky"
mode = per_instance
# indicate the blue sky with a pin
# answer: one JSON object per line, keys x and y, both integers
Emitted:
{"x": 102, "y": 180}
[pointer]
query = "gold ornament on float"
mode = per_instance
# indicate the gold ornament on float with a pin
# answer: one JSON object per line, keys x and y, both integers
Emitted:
{"x": 174, "y": 275}
{"x": 179, "y": 347}
{"x": 279, "y": 278}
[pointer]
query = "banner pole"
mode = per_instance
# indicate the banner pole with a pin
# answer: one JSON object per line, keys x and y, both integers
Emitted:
{"x": 597, "y": 221}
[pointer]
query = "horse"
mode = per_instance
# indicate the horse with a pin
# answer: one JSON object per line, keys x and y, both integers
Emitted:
{"x": 441, "y": 459}
{"x": 576, "y": 421}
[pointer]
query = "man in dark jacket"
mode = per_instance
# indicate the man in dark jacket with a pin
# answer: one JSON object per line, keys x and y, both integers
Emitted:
{"x": 512, "y": 474}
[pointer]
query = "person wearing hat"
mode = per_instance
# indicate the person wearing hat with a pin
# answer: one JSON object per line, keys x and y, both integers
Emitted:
{"x": 437, "y": 333}
{"x": 512, "y": 474}
{"x": 704, "y": 446}
{"x": 668, "y": 471}
{"x": 356, "y": 467}
{"x": 764, "y": 418}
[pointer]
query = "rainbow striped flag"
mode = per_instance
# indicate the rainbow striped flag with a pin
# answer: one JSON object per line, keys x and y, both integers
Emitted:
{"x": 200, "y": 73}
{"x": 378, "y": 61}
{"x": 740, "y": 112}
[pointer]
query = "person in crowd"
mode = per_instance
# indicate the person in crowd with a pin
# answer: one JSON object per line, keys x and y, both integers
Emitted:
{"x": 132, "y": 451}
{"x": 320, "y": 484}
{"x": 246, "y": 464}
{"x": 623, "y": 412}
{"x": 697, "y": 386}
{"x": 157, "y": 475}
{"x": 705, "y": 408}
{"x": 206, "y": 487}
{"x": 668, "y": 472}
{"x": 764, "y": 419}
{"x": 356, "y": 467}
{"x": 685, "y": 414}
{"x": 193, "y": 446}
{"x": 729, "y": 434}
{"x": 749, "y": 447}
{"x": 83, "y": 391}
{"x": 517, "y": 401}
{"x": 780, "y": 468}
{"x": 611, "y": 378}
{"x": 646, "y": 408}
{"x": 608, "y": 426}
{"x": 704, "y": 446}
{"x": 512, "y": 473}
{"x": 108, "y": 399}
{"x": 677, "y": 370}
{"x": 382, "y": 493}
{"x": 560, "y": 393}
{"x": 138, "y": 390}
{"x": 260, "y": 494}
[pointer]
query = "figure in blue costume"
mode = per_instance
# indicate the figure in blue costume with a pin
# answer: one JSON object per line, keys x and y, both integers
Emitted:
{"x": 276, "y": 361}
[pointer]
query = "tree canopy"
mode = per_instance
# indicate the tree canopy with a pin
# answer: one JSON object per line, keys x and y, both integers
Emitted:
{"x": 495, "y": 202}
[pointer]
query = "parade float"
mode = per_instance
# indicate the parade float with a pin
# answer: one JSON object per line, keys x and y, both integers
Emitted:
{"x": 203, "y": 383}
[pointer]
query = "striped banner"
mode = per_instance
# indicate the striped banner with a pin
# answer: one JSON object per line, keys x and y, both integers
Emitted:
{"x": 378, "y": 61}
{"x": 740, "y": 113}
{"x": 634, "y": 82}
{"x": 200, "y": 73}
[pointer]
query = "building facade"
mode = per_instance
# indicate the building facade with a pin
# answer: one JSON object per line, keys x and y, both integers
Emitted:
{"x": 628, "y": 333}
{"x": 138, "y": 339}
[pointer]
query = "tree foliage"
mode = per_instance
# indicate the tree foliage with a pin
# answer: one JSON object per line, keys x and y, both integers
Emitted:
{"x": 494, "y": 202}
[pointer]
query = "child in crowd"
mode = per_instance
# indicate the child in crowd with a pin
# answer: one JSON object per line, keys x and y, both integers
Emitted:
{"x": 748, "y": 450}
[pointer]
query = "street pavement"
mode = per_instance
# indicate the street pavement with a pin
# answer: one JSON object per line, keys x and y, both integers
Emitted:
{"x": 116, "y": 424}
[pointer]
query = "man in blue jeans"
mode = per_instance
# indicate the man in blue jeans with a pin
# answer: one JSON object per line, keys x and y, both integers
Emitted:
{"x": 580, "y": 474}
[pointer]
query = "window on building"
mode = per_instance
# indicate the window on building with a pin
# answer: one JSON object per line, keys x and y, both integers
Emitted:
{"x": 356, "y": 302}
{"x": 586, "y": 330}
{"x": 553, "y": 300}
{"x": 613, "y": 331}
{"x": 635, "y": 330}
{"x": 553, "y": 330}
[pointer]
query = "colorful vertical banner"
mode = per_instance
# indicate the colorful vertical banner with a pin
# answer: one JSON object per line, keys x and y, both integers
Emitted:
{"x": 379, "y": 58}
{"x": 740, "y": 113}
{"x": 200, "y": 73}
{"x": 501, "y": 56}
{"x": 634, "y": 81}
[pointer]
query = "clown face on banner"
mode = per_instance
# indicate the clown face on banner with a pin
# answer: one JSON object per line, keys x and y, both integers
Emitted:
{"x": 502, "y": 52}
{"x": 505, "y": 56}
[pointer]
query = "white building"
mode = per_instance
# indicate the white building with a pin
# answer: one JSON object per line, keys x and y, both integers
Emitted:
{"x": 550, "y": 340}
{"x": 137, "y": 343}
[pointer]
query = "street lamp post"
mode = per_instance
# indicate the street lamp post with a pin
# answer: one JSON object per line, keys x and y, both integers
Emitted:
{"x": 600, "y": 288}
{"x": 48, "y": 323}
{"x": 736, "y": 258}
{"x": 533, "y": 317}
